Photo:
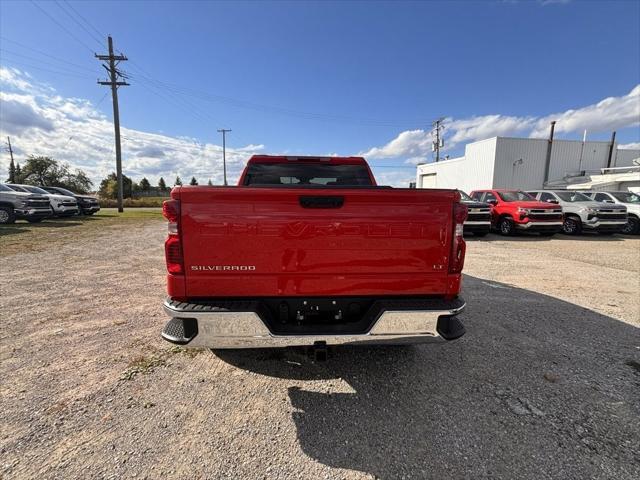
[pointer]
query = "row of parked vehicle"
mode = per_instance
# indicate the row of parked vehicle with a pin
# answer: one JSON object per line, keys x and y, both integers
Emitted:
{"x": 548, "y": 212}
{"x": 34, "y": 204}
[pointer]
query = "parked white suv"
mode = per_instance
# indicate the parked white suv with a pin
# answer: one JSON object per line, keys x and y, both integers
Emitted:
{"x": 583, "y": 213}
{"x": 628, "y": 199}
{"x": 61, "y": 205}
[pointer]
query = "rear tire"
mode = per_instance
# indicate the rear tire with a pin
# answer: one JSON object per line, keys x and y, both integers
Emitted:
{"x": 631, "y": 227}
{"x": 506, "y": 226}
{"x": 572, "y": 226}
{"x": 7, "y": 215}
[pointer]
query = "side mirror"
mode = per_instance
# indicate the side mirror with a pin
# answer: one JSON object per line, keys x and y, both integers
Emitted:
{"x": 553, "y": 200}
{"x": 492, "y": 202}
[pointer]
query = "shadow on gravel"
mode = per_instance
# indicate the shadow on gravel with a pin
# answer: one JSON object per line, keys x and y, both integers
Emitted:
{"x": 538, "y": 388}
{"x": 534, "y": 237}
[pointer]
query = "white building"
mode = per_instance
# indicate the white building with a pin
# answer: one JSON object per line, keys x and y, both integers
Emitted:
{"x": 503, "y": 162}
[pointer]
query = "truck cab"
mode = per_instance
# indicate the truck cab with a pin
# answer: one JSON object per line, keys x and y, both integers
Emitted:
{"x": 515, "y": 210}
{"x": 582, "y": 213}
{"x": 309, "y": 251}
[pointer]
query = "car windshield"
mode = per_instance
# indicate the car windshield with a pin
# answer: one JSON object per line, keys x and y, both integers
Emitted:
{"x": 16, "y": 188}
{"x": 465, "y": 197}
{"x": 516, "y": 196}
{"x": 627, "y": 197}
{"x": 64, "y": 191}
{"x": 4, "y": 188}
{"x": 36, "y": 190}
{"x": 573, "y": 197}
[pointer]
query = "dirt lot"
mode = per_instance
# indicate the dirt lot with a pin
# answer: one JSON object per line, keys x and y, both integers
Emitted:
{"x": 546, "y": 383}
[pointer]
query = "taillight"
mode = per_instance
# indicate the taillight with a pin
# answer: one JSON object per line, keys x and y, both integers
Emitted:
{"x": 458, "y": 245}
{"x": 173, "y": 245}
{"x": 173, "y": 255}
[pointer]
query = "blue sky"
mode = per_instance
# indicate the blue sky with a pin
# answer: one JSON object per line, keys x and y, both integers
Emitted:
{"x": 322, "y": 78}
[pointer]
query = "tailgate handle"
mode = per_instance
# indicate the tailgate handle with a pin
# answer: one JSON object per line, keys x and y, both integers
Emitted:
{"x": 308, "y": 201}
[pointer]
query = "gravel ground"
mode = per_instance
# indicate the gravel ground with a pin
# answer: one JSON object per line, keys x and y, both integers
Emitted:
{"x": 545, "y": 384}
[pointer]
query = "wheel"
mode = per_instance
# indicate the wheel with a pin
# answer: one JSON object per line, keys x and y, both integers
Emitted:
{"x": 506, "y": 226}
{"x": 572, "y": 226}
{"x": 631, "y": 227}
{"x": 34, "y": 220}
{"x": 7, "y": 215}
{"x": 480, "y": 234}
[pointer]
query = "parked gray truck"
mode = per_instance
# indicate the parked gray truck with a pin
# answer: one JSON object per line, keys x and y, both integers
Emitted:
{"x": 583, "y": 213}
{"x": 20, "y": 205}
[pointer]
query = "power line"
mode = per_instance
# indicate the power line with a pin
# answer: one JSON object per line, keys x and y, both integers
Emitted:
{"x": 62, "y": 26}
{"x": 100, "y": 34}
{"x": 10, "y": 52}
{"x": 45, "y": 54}
{"x": 98, "y": 39}
{"x": 69, "y": 74}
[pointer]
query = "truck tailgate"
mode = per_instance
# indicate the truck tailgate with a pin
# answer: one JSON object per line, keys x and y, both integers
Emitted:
{"x": 295, "y": 242}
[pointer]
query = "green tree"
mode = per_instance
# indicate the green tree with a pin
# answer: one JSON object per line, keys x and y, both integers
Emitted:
{"x": 193, "y": 181}
{"x": 145, "y": 186}
{"x": 47, "y": 171}
{"x": 178, "y": 181}
{"x": 109, "y": 186}
{"x": 76, "y": 182}
{"x": 209, "y": 183}
{"x": 42, "y": 171}
{"x": 161, "y": 185}
{"x": 12, "y": 172}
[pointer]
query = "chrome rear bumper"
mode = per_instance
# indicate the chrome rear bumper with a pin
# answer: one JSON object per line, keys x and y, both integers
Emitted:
{"x": 246, "y": 329}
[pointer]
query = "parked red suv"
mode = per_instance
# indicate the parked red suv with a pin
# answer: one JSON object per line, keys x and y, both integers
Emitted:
{"x": 513, "y": 210}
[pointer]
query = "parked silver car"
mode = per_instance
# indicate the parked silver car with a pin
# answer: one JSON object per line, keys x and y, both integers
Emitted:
{"x": 583, "y": 213}
{"x": 61, "y": 205}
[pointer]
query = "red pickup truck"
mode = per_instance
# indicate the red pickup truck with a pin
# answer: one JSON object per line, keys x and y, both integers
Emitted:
{"x": 513, "y": 210}
{"x": 309, "y": 251}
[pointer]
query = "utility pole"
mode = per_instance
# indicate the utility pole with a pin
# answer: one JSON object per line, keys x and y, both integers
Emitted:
{"x": 438, "y": 143}
{"x": 224, "y": 152}
{"x": 114, "y": 83}
{"x": 12, "y": 165}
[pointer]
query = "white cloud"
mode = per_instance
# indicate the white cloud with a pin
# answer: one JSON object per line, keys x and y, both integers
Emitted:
{"x": 414, "y": 146}
{"x": 407, "y": 143}
{"x": 630, "y": 146}
{"x": 608, "y": 114}
{"x": 72, "y": 130}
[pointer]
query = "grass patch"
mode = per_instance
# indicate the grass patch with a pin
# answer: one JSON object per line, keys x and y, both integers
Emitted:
{"x": 134, "y": 202}
{"x": 142, "y": 365}
{"x": 23, "y": 237}
{"x": 189, "y": 352}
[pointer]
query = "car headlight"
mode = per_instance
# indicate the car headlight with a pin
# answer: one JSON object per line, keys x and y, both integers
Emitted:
{"x": 524, "y": 211}
{"x": 591, "y": 211}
